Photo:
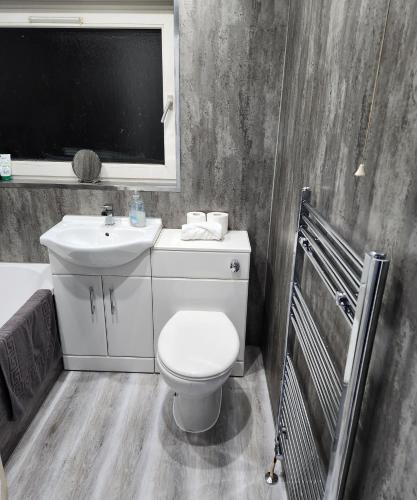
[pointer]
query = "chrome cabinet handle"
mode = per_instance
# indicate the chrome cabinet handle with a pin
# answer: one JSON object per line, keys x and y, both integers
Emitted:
{"x": 92, "y": 301}
{"x": 112, "y": 302}
{"x": 235, "y": 266}
{"x": 169, "y": 105}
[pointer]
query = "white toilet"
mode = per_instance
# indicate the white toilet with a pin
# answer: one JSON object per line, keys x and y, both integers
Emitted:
{"x": 196, "y": 353}
{"x": 200, "y": 291}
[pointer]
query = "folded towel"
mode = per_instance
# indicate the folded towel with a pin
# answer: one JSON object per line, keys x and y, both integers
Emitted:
{"x": 202, "y": 231}
{"x": 29, "y": 344}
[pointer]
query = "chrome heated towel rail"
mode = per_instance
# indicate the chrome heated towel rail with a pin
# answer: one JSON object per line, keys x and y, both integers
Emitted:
{"x": 357, "y": 286}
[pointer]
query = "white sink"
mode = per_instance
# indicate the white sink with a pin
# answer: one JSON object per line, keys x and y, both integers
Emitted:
{"x": 87, "y": 241}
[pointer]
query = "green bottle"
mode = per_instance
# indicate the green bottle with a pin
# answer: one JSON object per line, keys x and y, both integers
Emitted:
{"x": 5, "y": 167}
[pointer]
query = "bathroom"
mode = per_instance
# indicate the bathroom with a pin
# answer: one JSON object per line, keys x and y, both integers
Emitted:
{"x": 249, "y": 103}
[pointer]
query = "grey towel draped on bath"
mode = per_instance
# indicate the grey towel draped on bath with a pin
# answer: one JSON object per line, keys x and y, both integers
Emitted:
{"x": 29, "y": 345}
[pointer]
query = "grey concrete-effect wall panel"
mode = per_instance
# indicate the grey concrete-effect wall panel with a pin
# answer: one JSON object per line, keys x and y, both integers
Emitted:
{"x": 330, "y": 66}
{"x": 231, "y": 59}
{"x": 332, "y": 56}
{"x": 385, "y": 458}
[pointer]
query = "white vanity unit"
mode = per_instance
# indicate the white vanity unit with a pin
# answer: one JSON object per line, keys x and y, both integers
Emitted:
{"x": 117, "y": 286}
{"x": 103, "y": 292}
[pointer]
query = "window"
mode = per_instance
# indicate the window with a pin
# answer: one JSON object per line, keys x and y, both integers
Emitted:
{"x": 98, "y": 81}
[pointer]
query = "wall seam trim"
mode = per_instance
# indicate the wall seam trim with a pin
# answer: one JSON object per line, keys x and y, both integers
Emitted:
{"x": 277, "y": 140}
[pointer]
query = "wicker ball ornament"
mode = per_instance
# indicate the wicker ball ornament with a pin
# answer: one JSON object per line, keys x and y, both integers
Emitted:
{"x": 86, "y": 166}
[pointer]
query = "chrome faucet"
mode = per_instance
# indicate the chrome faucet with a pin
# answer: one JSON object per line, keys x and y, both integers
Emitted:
{"x": 107, "y": 212}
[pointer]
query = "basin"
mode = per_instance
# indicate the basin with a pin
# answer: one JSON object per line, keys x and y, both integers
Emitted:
{"x": 87, "y": 241}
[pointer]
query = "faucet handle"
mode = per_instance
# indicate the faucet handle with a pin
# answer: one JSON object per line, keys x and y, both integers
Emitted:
{"x": 107, "y": 209}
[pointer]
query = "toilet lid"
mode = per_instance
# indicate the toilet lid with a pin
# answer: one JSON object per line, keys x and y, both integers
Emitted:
{"x": 198, "y": 344}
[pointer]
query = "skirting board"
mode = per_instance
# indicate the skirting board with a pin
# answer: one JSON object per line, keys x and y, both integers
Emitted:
{"x": 109, "y": 364}
{"x": 134, "y": 365}
{"x": 238, "y": 369}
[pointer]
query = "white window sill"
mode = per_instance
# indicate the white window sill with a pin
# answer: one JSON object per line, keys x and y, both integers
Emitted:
{"x": 20, "y": 181}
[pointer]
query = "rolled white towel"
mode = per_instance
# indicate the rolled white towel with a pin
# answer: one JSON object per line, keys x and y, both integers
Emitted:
{"x": 201, "y": 231}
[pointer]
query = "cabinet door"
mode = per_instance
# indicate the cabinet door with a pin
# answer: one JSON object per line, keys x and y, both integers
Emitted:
{"x": 80, "y": 309}
{"x": 128, "y": 307}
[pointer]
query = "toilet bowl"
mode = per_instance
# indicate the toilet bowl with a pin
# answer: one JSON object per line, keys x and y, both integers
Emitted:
{"x": 196, "y": 353}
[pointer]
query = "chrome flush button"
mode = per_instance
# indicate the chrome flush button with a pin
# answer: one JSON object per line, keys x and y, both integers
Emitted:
{"x": 235, "y": 266}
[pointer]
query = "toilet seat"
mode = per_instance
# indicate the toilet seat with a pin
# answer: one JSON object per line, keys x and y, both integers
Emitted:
{"x": 188, "y": 378}
{"x": 198, "y": 344}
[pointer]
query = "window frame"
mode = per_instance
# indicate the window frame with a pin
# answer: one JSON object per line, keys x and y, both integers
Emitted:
{"x": 145, "y": 176}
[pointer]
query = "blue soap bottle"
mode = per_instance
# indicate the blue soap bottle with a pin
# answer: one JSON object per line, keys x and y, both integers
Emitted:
{"x": 137, "y": 215}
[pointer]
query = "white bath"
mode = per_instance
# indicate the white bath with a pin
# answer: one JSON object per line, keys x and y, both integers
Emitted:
{"x": 17, "y": 284}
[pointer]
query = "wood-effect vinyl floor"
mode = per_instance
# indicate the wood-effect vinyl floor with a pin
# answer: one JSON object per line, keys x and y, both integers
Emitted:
{"x": 111, "y": 436}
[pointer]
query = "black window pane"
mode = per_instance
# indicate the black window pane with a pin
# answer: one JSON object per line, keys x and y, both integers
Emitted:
{"x": 65, "y": 89}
